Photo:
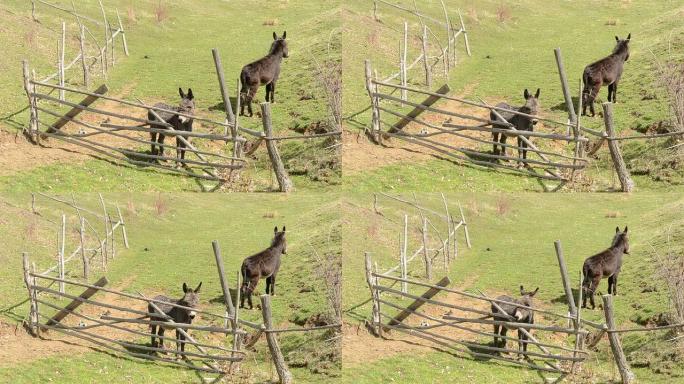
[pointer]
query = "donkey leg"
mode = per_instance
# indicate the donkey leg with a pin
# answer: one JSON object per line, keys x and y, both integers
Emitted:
{"x": 153, "y": 332}
{"x": 251, "y": 94}
{"x": 161, "y": 338}
{"x": 161, "y": 144}
{"x": 273, "y": 86}
{"x": 495, "y": 139}
{"x": 496, "y": 334}
{"x": 503, "y": 332}
{"x": 269, "y": 284}
{"x": 615, "y": 86}
{"x": 503, "y": 147}
{"x": 611, "y": 90}
{"x": 269, "y": 92}
{"x": 273, "y": 279}
{"x": 153, "y": 139}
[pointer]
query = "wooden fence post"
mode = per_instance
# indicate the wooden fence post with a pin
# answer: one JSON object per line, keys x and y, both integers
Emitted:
{"x": 123, "y": 226}
{"x": 566, "y": 280}
{"x": 402, "y": 65}
{"x": 224, "y": 92}
{"x": 375, "y": 113}
{"x": 426, "y": 64}
{"x": 449, "y": 47}
{"x": 33, "y": 10}
{"x": 402, "y": 255}
{"x": 32, "y": 131}
{"x": 572, "y": 116}
{"x": 375, "y": 11}
{"x": 84, "y": 257}
{"x": 60, "y": 60}
{"x": 371, "y": 281}
{"x": 615, "y": 344}
{"x": 60, "y": 257}
{"x": 106, "y": 33}
{"x": 426, "y": 255}
{"x": 33, "y": 322}
{"x": 620, "y": 167}
{"x": 123, "y": 34}
{"x": 84, "y": 65}
{"x": 465, "y": 33}
{"x": 278, "y": 359}
{"x": 224, "y": 284}
{"x": 106, "y": 228}
{"x": 278, "y": 166}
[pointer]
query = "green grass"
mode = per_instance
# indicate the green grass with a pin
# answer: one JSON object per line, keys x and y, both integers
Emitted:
{"x": 176, "y": 52}
{"x": 512, "y": 238}
{"x": 517, "y": 53}
{"x": 171, "y": 245}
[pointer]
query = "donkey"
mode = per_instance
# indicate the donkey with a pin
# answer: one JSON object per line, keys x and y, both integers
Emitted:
{"x": 521, "y": 123}
{"x": 521, "y": 315}
{"x": 178, "y": 315}
{"x": 263, "y": 264}
{"x": 179, "y": 123}
{"x": 263, "y": 71}
{"x": 604, "y": 264}
{"x": 605, "y": 71}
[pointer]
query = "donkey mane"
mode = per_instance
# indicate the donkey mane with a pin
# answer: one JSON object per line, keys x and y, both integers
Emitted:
{"x": 277, "y": 47}
{"x": 621, "y": 47}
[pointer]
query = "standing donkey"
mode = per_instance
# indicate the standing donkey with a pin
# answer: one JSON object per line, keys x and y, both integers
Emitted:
{"x": 521, "y": 315}
{"x": 178, "y": 315}
{"x": 605, "y": 71}
{"x": 264, "y": 264}
{"x": 521, "y": 123}
{"x": 604, "y": 264}
{"x": 179, "y": 123}
{"x": 263, "y": 71}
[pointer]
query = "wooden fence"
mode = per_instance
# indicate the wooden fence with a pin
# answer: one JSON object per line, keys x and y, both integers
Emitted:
{"x": 96, "y": 236}
{"x": 119, "y": 323}
{"x": 104, "y": 51}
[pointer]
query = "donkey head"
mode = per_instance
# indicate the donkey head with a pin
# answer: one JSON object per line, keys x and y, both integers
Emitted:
{"x": 622, "y": 46}
{"x": 526, "y": 300}
{"x": 187, "y": 104}
{"x": 190, "y": 298}
{"x": 279, "y": 44}
{"x": 279, "y": 239}
{"x": 621, "y": 238}
{"x": 532, "y": 105}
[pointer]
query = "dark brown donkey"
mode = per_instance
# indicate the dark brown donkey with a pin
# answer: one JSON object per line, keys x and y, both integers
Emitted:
{"x": 604, "y": 264}
{"x": 264, "y": 71}
{"x": 264, "y": 264}
{"x": 190, "y": 299}
{"x": 605, "y": 71}
{"x": 521, "y": 315}
{"x": 521, "y": 123}
{"x": 179, "y": 123}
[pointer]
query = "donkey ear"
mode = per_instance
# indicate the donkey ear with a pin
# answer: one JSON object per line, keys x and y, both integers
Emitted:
{"x": 285, "y": 34}
{"x": 526, "y": 94}
{"x": 275, "y": 230}
{"x": 536, "y": 95}
{"x": 180, "y": 92}
{"x": 629, "y": 36}
{"x": 617, "y": 229}
{"x": 535, "y": 292}
{"x": 185, "y": 288}
{"x": 275, "y": 37}
{"x": 625, "y": 231}
{"x": 198, "y": 287}
{"x": 284, "y": 228}
{"x": 617, "y": 39}
{"x": 522, "y": 290}
{"x": 190, "y": 95}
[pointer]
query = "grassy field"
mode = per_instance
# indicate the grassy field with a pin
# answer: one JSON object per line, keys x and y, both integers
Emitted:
{"x": 170, "y": 243}
{"x": 170, "y": 46}
{"x": 512, "y": 49}
{"x": 512, "y": 237}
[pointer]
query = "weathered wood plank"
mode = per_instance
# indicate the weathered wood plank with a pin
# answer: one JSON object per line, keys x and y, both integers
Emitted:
{"x": 430, "y": 100}
{"x": 430, "y": 293}
{"x": 101, "y": 90}
{"x": 89, "y": 292}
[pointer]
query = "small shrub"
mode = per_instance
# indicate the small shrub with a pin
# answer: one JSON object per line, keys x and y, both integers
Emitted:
{"x": 271, "y": 22}
{"x": 130, "y": 12}
{"x": 161, "y": 206}
{"x": 161, "y": 12}
{"x": 503, "y": 13}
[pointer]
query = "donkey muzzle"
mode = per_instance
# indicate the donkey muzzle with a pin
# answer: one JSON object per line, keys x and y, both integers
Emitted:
{"x": 192, "y": 315}
{"x": 534, "y": 121}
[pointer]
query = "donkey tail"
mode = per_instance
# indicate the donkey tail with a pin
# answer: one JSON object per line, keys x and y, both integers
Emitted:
{"x": 586, "y": 281}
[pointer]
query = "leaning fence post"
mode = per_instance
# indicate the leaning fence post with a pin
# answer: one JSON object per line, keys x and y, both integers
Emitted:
{"x": 60, "y": 61}
{"x": 426, "y": 255}
{"x": 123, "y": 34}
{"x": 372, "y": 282}
{"x": 465, "y": 226}
{"x": 620, "y": 167}
{"x": 375, "y": 11}
{"x": 123, "y": 226}
{"x": 566, "y": 281}
{"x": 224, "y": 284}
{"x": 278, "y": 359}
{"x": 33, "y": 10}
{"x": 572, "y": 116}
{"x": 615, "y": 344}
{"x": 426, "y": 64}
{"x": 375, "y": 119}
{"x": 106, "y": 32}
{"x": 402, "y": 65}
{"x": 33, "y": 322}
{"x": 465, "y": 33}
{"x": 448, "y": 224}
{"x": 402, "y": 256}
{"x": 84, "y": 65}
{"x": 106, "y": 228}
{"x": 84, "y": 257}
{"x": 60, "y": 256}
{"x": 447, "y": 23}
{"x": 33, "y": 115}
{"x": 224, "y": 92}
{"x": 278, "y": 166}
